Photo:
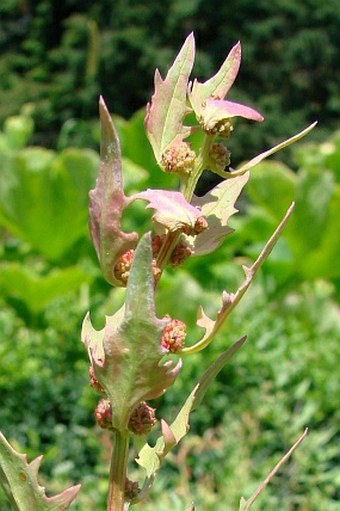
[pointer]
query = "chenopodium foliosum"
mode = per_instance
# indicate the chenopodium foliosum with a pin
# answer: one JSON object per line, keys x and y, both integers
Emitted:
{"x": 128, "y": 357}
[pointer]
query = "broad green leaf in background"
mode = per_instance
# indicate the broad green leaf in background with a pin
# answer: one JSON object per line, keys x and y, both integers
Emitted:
{"x": 272, "y": 186}
{"x": 19, "y": 480}
{"x": 311, "y": 237}
{"x": 127, "y": 354}
{"x": 37, "y": 291}
{"x": 43, "y": 197}
{"x": 17, "y": 130}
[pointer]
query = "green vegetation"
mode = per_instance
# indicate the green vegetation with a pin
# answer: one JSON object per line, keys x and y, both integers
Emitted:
{"x": 283, "y": 379}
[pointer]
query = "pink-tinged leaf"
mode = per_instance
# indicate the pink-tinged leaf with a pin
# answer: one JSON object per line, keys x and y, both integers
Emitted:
{"x": 165, "y": 113}
{"x": 219, "y": 85}
{"x": 126, "y": 354}
{"x": 19, "y": 480}
{"x": 107, "y": 201}
{"x": 217, "y": 110}
{"x": 230, "y": 300}
{"x": 217, "y": 206}
{"x": 172, "y": 210}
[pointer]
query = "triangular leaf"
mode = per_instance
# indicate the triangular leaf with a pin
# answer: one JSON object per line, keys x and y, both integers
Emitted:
{"x": 126, "y": 354}
{"x": 19, "y": 480}
{"x": 107, "y": 201}
{"x": 165, "y": 113}
{"x": 217, "y": 206}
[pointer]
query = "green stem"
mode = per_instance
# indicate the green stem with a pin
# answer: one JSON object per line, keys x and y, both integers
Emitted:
{"x": 200, "y": 165}
{"x": 118, "y": 470}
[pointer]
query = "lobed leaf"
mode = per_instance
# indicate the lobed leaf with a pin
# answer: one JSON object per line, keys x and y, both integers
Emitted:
{"x": 217, "y": 206}
{"x": 230, "y": 300}
{"x": 19, "y": 480}
{"x": 107, "y": 201}
{"x": 165, "y": 113}
{"x": 126, "y": 354}
{"x": 151, "y": 458}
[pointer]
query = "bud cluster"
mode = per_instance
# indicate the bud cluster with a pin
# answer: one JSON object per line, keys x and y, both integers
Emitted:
{"x": 180, "y": 253}
{"x": 103, "y": 413}
{"x": 142, "y": 419}
{"x": 174, "y": 335}
{"x": 122, "y": 267}
{"x": 219, "y": 156}
{"x": 200, "y": 225}
{"x": 222, "y": 128}
{"x": 178, "y": 159}
{"x": 131, "y": 489}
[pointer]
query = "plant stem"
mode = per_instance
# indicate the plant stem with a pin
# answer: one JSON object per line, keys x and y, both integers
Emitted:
{"x": 119, "y": 460}
{"x": 200, "y": 165}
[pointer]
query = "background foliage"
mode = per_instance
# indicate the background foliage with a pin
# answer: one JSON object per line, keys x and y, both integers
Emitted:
{"x": 284, "y": 378}
{"x": 61, "y": 56}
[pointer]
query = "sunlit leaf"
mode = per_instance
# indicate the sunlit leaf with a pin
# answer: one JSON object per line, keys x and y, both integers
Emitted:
{"x": 19, "y": 480}
{"x": 107, "y": 201}
{"x": 217, "y": 207}
{"x": 230, "y": 300}
{"x": 172, "y": 210}
{"x": 126, "y": 354}
{"x": 216, "y": 110}
{"x": 165, "y": 113}
{"x": 218, "y": 85}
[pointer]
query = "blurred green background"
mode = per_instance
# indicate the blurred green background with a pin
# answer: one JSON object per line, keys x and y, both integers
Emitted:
{"x": 55, "y": 60}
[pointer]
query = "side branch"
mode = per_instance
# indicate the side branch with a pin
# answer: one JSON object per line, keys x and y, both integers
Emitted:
{"x": 229, "y": 301}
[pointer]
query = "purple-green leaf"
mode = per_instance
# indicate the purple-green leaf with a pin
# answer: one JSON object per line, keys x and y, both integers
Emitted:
{"x": 126, "y": 354}
{"x": 19, "y": 480}
{"x": 172, "y": 209}
{"x": 107, "y": 201}
{"x": 165, "y": 113}
{"x": 216, "y": 110}
{"x": 218, "y": 85}
{"x": 217, "y": 206}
